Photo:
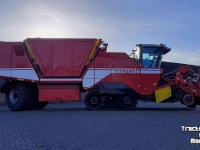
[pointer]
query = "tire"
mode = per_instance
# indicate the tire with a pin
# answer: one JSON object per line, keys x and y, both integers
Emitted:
{"x": 115, "y": 105}
{"x": 181, "y": 101}
{"x": 37, "y": 104}
{"x": 193, "y": 106}
{"x": 20, "y": 97}
{"x": 128, "y": 101}
{"x": 177, "y": 96}
{"x": 93, "y": 100}
{"x": 188, "y": 100}
{"x": 40, "y": 105}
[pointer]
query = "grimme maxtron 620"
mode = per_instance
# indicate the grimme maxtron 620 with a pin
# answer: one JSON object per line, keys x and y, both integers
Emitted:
{"x": 37, "y": 71}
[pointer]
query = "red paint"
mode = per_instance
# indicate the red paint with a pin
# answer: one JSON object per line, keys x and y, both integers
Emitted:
{"x": 5, "y": 53}
{"x": 66, "y": 58}
{"x": 141, "y": 83}
{"x": 58, "y": 93}
{"x": 149, "y": 83}
{"x": 13, "y": 55}
{"x": 19, "y": 56}
{"x": 60, "y": 82}
{"x": 185, "y": 83}
{"x": 61, "y": 57}
{"x": 113, "y": 60}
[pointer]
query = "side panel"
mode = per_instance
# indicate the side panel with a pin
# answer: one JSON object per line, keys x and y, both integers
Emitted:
{"x": 5, "y": 59}
{"x": 149, "y": 80}
{"x": 118, "y": 68}
{"x": 55, "y": 93}
{"x": 21, "y": 65}
{"x": 114, "y": 67}
{"x": 89, "y": 79}
{"x": 114, "y": 60}
{"x": 19, "y": 57}
{"x": 113, "y": 88}
{"x": 81, "y": 54}
{"x": 61, "y": 57}
{"x": 131, "y": 80}
{"x": 43, "y": 53}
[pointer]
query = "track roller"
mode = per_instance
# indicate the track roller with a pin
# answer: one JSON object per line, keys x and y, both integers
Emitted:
{"x": 128, "y": 101}
{"x": 93, "y": 100}
{"x": 111, "y": 102}
{"x": 189, "y": 101}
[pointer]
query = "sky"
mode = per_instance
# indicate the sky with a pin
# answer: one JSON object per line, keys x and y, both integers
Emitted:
{"x": 120, "y": 23}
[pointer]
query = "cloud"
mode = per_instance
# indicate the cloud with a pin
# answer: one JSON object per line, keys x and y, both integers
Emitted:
{"x": 42, "y": 10}
{"x": 183, "y": 56}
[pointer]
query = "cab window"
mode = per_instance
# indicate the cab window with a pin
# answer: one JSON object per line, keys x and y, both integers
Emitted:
{"x": 147, "y": 56}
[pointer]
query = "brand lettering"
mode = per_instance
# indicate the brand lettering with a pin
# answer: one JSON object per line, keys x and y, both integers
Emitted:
{"x": 131, "y": 71}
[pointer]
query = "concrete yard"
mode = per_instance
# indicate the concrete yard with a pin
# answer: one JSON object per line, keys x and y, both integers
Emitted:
{"x": 70, "y": 126}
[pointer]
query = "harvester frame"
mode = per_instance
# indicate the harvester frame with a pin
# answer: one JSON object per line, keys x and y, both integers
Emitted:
{"x": 37, "y": 71}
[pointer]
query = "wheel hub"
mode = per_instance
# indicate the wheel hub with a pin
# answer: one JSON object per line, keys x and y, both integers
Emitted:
{"x": 94, "y": 100}
{"x": 14, "y": 96}
{"x": 188, "y": 99}
{"x": 127, "y": 100}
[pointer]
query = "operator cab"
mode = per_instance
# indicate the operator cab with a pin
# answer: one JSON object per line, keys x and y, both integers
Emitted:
{"x": 149, "y": 55}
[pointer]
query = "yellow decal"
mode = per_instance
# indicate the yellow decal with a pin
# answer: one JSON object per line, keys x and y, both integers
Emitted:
{"x": 92, "y": 52}
{"x": 162, "y": 94}
{"x": 30, "y": 51}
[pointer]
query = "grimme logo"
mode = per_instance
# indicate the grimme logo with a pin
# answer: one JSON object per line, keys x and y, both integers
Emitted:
{"x": 133, "y": 71}
{"x": 192, "y": 129}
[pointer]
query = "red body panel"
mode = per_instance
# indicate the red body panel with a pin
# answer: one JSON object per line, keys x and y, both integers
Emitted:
{"x": 13, "y": 55}
{"x": 19, "y": 56}
{"x": 5, "y": 54}
{"x": 61, "y": 57}
{"x": 149, "y": 83}
{"x": 113, "y": 60}
{"x": 14, "y": 62}
{"x": 61, "y": 62}
{"x": 119, "y": 67}
{"x": 58, "y": 93}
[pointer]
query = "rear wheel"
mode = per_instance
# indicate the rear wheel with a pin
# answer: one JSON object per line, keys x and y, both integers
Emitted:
{"x": 40, "y": 105}
{"x": 177, "y": 95}
{"x": 93, "y": 100}
{"x": 20, "y": 97}
{"x": 128, "y": 101}
{"x": 188, "y": 99}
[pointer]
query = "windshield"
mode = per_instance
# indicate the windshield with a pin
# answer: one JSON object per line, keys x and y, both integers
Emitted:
{"x": 149, "y": 55}
{"x": 151, "y": 58}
